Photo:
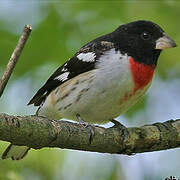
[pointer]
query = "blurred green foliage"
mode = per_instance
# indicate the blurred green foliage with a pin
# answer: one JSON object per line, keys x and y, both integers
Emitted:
{"x": 38, "y": 165}
{"x": 61, "y": 28}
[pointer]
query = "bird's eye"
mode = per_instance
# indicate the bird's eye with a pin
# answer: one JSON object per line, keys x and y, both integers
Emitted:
{"x": 145, "y": 36}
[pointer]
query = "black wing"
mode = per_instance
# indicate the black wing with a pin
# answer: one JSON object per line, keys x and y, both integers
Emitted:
{"x": 72, "y": 68}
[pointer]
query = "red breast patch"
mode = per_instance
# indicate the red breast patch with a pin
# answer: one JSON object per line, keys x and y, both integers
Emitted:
{"x": 142, "y": 73}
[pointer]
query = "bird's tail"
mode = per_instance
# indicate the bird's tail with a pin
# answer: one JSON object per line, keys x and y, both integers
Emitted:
{"x": 15, "y": 152}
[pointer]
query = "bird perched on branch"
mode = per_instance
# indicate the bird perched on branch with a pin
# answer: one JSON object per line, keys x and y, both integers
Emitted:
{"x": 103, "y": 79}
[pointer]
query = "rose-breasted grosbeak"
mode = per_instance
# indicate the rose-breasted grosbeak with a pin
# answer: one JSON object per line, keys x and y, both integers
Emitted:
{"x": 103, "y": 79}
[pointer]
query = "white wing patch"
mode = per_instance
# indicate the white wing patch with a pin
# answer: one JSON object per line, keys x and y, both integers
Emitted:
{"x": 87, "y": 57}
{"x": 64, "y": 69}
{"x": 62, "y": 77}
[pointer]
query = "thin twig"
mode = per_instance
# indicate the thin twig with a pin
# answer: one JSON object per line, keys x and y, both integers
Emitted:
{"x": 14, "y": 58}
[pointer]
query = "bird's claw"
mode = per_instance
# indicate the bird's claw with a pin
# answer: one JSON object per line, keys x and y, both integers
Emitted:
{"x": 86, "y": 125}
{"x": 120, "y": 126}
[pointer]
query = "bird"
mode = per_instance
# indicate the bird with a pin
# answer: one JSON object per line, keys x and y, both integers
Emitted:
{"x": 103, "y": 79}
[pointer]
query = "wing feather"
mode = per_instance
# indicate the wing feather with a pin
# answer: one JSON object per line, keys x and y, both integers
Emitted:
{"x": 84, "y": 60}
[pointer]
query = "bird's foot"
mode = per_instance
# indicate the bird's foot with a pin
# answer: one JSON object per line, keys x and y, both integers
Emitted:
{"x": 86, "y": 125}
{"x": 120, "y": 126}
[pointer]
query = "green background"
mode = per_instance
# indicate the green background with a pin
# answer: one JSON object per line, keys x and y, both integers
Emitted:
{"x": 60, "y": 28}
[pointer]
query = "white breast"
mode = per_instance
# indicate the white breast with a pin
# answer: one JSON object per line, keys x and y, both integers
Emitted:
{"x": 98, "y": 95}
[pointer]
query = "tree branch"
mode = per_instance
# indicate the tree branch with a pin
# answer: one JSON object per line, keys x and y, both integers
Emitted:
{"x": 38, "y": 132}
{"x": 14, "y": 58}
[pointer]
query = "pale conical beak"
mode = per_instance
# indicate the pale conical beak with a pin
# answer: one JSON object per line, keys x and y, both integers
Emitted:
{"x": 165, "y": 42}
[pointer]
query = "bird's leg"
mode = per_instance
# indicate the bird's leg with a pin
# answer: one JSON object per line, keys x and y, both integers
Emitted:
{"x": 86, "y": 125}
{"x": 120, "y": 126}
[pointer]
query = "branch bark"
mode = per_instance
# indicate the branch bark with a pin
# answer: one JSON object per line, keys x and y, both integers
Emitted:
{"x": 38, "y": 132}
{"x": 14, "y": 58}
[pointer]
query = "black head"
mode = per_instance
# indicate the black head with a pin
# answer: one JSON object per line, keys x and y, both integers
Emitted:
{"x": 143, "y": 40}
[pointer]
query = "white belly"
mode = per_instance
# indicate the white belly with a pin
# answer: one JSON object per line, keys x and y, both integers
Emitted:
{"x": 98, "y": 95}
